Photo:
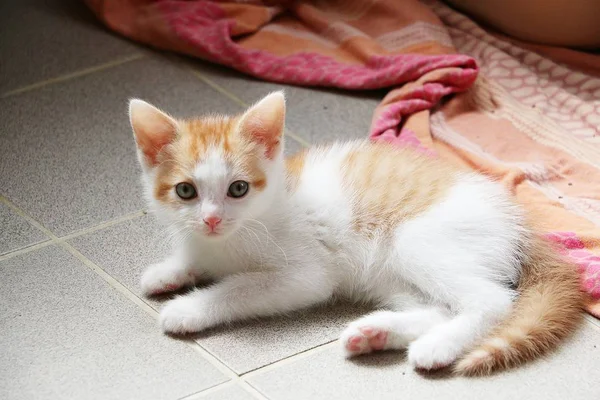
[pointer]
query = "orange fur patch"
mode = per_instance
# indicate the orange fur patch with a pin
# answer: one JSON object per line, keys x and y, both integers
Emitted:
{"x": 385, "y": 199}
{"x": 294, "y": 166}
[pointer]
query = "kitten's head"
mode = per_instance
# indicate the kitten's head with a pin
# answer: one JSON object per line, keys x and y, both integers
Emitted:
{"x": 209, "y": 175}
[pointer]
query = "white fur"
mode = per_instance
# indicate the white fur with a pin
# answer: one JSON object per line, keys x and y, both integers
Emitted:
{"x": 444, "y": 277}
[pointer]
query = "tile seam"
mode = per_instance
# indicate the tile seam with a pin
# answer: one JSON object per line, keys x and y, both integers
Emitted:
{"x": 72, "y": 75}
{"x": 51, "y": 238}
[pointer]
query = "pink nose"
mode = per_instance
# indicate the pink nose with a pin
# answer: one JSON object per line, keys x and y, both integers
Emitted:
{"x": 212, "y": 222}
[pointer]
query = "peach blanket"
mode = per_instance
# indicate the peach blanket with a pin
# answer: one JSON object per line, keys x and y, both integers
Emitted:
{"x": 526, "y": 120}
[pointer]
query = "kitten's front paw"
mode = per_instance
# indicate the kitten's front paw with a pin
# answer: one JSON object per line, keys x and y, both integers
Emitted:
{"x": 183, "y": 315}
{"x": 165, "y": 277}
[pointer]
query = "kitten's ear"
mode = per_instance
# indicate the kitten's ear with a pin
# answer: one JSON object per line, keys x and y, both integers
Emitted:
{"x": 264, "y": 122}
{"x": 152, "y": 128}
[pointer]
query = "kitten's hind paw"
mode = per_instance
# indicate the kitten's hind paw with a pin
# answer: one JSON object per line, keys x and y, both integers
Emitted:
{"x": 362, "y": 340}
{"x": 429, "y": 354}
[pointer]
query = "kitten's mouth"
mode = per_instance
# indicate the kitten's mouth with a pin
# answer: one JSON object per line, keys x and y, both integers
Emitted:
{"x": 214, "y": 233}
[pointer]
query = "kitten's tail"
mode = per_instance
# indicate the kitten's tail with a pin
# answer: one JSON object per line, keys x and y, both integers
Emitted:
{"x": 547, "y": 310}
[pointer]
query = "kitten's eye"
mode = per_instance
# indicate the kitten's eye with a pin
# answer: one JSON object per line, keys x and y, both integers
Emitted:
{"x": 238, "y": 189}
{"x": 186, "y": 191}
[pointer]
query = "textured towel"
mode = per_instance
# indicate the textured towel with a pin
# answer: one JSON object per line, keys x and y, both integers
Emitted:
{"x": 535, "y": 124}
{"x": 528, "y": 121}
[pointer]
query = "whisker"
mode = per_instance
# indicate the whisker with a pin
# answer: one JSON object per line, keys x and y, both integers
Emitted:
{"x": 258, "y": 250}
{"x": 271, "y": 238}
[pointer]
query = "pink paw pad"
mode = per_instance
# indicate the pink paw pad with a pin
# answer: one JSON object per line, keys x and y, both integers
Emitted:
{"x": 369, "y": 340}
{"x": 357, "y": 344}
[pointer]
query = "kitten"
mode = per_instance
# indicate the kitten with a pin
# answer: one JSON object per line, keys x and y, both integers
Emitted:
{"x": 447, "y": 254}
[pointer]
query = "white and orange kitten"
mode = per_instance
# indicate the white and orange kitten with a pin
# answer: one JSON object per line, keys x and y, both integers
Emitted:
{"x": 446, "y": 254}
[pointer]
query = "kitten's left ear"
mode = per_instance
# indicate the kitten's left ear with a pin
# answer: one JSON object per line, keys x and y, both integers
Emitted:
{"x": 264, "y": 122}
{"x": 152, "y": 128}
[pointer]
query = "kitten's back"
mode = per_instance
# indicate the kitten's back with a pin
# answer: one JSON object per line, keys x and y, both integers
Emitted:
{"x": 381, "y": 184}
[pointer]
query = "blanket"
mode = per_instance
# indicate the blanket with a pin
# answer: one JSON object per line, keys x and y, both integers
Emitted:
{"x": 528, "y": 119}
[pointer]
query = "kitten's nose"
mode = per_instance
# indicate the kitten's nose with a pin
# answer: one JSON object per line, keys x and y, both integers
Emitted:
{"x": 212, "y": 222}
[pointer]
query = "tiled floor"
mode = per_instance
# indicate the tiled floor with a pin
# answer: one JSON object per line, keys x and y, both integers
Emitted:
{"x": 74, "y": 238}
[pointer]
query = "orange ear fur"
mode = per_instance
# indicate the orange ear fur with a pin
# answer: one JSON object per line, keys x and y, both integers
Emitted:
{"x": 264, "y": 122}
{"x": 152, "y": 128}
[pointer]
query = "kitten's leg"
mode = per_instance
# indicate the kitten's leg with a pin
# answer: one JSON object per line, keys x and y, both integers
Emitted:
{"x": 246, "y": 295}
{"x": 446, "y": 342}
{"x": 386, "y": 330}
{"x": 169, "y": 275}
{"x": 458, "y": 263}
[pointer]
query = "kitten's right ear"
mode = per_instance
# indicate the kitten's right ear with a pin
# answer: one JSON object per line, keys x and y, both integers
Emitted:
{"x": 152, "y": 128}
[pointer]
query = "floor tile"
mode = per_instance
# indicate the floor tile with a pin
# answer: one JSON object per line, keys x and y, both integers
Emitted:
{"x": 251, "y": 345}
{"x": 124, "y": 250}
{"x": 230, "y": 392}
{"x": 319, "y": 115}
{"x": 43, "y": 39}
{"x": 16, "y": 232}
{"x": 68, "y": 155}
{"x": 571, "y": 373}
{"x": 67, "y": 334}
{"x": 291, "y": 146}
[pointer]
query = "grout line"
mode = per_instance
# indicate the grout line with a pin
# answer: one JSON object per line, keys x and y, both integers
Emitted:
{"x": 99, "y": 271}
{"x": 297, "y": 138}
{"x": 242, "y": 380}
{"x": 25, "y": 250}
{"x": 223, "y": 386}
{"x": 210, "y": 390}
{"x": 219, "y": 89}
{"x": 109, "y": 279}
{"x": 72, "y": 75}
{"x": 242, "y": 103}
{"x": 253, "y": 391}
{"x": 212, "y": 359}
{"x": 53, "y": 239}
{"x": 32, "y": 221}
{"x": 291, "y": 359}
{"x": 225, "y": 369}
{"x": 103, "y": 225}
